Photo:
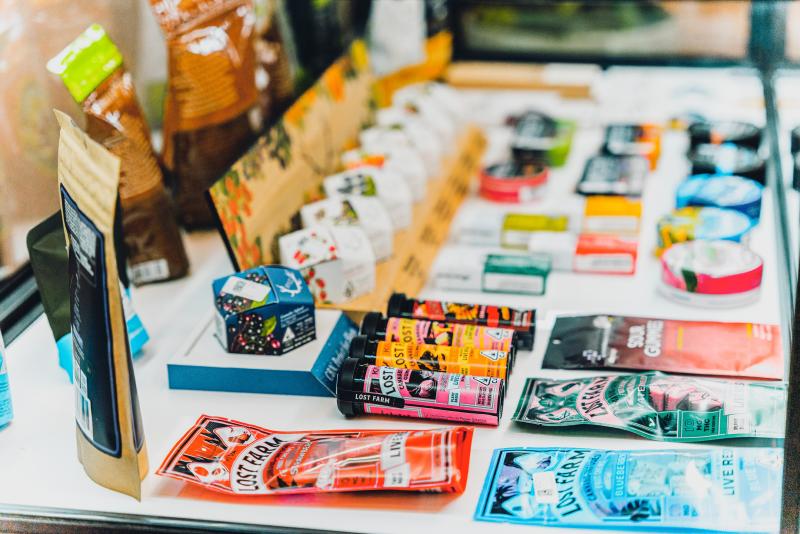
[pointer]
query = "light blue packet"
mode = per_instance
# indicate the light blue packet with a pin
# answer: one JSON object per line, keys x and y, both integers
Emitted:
{"x": 721, "y": 489}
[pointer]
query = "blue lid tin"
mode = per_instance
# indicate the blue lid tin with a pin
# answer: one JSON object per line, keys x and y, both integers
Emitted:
{"x": 721, "y": 191}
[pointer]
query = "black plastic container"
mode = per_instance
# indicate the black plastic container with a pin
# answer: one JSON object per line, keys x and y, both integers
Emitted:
{"x": 716, "y": 132}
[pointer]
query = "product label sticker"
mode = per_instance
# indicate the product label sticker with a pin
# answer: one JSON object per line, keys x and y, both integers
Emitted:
{"x": 241, "y": 287}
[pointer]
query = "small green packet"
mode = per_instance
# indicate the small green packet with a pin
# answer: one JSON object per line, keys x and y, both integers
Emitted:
{"x": 658, "y": 406}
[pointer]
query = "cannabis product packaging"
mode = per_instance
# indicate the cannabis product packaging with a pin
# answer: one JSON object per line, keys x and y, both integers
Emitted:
{"x": 658, "y": 406}
{"x": 607, "y": 174}
{"x": 634, "y": 140}
{"x": 366, "y": 389}
{"x": 522, "y": 321}
{"x": 265, "y": 310}
{"x": 236, "y": 458}
{"x": 395, "y": 158}
{"x": 367, "y": 213}
{"x": 6, "y": 409}
{"x": 440, "y": 358}
{"x": 387, "y": 186}
{"x": 694, "y": 223}
{"x": 336, "y": 262}
{"x": 721, "y": 191}
{"x": 110, "y": 437}
{"x": 722, "y": 489}
{"x": 586, "y": 253}
{"x": 210, "y": 90}
{"x": 640, "y": 343}
{"x": 491, "y": 271}
{"x": 713, "y": 274}
{"x": 91, "y": 68}
{"x": 728, "y": 158}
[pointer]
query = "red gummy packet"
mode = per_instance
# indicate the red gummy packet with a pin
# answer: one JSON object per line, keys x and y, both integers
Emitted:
{"x": 237, "y": 458}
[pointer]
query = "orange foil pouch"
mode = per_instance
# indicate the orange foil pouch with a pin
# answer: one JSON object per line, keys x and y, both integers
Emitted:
{"x": 210, "y": 90}
{"x": 236, "y": 458}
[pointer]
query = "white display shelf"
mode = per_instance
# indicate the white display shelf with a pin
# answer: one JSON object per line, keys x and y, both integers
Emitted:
{"x": 40, "y": 464}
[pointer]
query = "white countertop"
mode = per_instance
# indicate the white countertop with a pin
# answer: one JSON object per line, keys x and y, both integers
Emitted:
{"x": 40, "y": 464}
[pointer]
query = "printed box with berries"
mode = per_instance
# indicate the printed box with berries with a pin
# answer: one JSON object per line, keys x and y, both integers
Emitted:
{"x": 337, "y": 262}
{"x": 265, "y": 310}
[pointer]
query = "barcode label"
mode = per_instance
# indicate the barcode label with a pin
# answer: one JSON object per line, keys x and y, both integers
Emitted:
{"x": 454, "y": 397}
{"x": 609, "y": 263}
{"x": 610, "y": 223}
{"x": 83, "y": 406}
{"x": 397, "y": 477}
{"x": 453, "y": 381}
{"x": 739, "y": 424}
{"x": 248, "y": 289}
{"x": 544, "y": 487}
{"x": 150, "y": 271}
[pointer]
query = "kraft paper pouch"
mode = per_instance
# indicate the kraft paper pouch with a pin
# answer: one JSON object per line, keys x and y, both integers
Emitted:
{"x": 617, "y": 342}
{"x": 236, "y": 458}
{"x": 658, "y": 406}
{"x": 720, "y": 489}
{"x": 109, "y": 429}
{"x": 47, "y": 250}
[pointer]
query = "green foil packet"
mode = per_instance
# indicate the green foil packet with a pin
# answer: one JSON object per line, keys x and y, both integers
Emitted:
{"x": 658, "y": 406}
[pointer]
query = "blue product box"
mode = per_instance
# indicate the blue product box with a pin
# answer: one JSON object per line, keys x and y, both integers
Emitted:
{"x": 264, "y": 310}
{"x": 309, "y": 370}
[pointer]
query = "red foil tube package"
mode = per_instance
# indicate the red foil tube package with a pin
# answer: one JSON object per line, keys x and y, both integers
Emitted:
{"x": 363, "y": 389}
{"x": 231, "y": 457}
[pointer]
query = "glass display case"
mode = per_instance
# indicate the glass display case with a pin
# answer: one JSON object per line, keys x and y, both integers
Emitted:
{"x": 582, "y": 69}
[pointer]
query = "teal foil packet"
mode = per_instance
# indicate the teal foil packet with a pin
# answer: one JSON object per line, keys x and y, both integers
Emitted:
{"x": 720, "y": 489}
{"x": 658, "y": 406}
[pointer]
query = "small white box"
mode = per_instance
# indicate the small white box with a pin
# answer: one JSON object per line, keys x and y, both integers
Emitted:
{"x": 395, "y": 158}
{"x": 477, "y": 226}
{"x": 389, "y": 187}
{"x": 450, "y": 100}
{"x": 410, "y": 134}
{"x": 367, "y": 213}
{"x": 490, "y": 271}
{"x": 427, "y": 113}
{"x": 337, "y": 262}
